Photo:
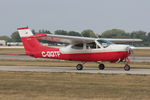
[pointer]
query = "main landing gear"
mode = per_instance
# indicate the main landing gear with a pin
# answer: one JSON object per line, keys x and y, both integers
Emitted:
{"x": 101, "y": 66}
{"x": 80, "y": 66}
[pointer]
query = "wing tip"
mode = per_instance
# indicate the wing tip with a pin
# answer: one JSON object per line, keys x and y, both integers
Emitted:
{"x": 23, "y": 28}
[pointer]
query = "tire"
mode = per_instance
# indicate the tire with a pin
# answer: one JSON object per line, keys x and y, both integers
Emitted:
{"x": 126, "y": 67}
{"x": 79, "y": 67}
{"x": 101, "y": 66}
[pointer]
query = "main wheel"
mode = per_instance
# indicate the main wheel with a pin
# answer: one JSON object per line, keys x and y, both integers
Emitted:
{"x": 101, "y": 66}
{"x": 79, "y": 67}
{"x": 126, "y": 67}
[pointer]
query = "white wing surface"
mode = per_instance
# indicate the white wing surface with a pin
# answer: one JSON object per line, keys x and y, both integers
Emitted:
{"x": 122, "y": 40}
{"x": 75, "y": 39}
{"x": 67, "y": 39}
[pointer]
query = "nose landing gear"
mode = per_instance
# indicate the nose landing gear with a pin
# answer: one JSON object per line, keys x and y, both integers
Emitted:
{"x": 127, "y": 67}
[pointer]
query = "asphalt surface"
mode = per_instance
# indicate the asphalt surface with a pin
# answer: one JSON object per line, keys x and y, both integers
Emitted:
{"x": 23, "y": 57}
{"x": 73, "y": 69}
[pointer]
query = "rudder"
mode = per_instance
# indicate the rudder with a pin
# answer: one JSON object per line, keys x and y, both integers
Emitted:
{"x": 31, "y": 45}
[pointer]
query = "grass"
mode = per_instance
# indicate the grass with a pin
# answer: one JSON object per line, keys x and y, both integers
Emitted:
{"x": 12, "y": 51}
{"x": 139, "y": 52}
{"x": 142, "y": 52}
{"x": 68, "y": 63}
{"x": 73, "y": 86}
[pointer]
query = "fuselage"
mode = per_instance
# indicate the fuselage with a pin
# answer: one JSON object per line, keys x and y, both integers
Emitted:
{"x": 111, "y": 53}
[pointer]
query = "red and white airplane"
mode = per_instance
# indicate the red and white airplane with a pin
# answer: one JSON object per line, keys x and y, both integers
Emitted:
{"x": 80, "y": 49}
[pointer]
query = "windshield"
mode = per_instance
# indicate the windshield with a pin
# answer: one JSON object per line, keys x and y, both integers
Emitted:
{"x": 104, "y": 43}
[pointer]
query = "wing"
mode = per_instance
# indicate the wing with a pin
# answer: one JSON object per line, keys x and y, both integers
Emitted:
{"x": 67, "y": 39}
{"x": 75, "y": 39}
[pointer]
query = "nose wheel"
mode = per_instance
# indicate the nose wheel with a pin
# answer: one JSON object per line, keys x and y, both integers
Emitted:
{"x": 126, "y": 67}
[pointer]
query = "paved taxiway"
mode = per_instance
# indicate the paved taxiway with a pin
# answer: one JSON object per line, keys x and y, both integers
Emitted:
{"x": 73, "y": 69}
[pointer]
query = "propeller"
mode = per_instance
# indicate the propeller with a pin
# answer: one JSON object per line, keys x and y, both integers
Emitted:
{"x": 130, "y": 50}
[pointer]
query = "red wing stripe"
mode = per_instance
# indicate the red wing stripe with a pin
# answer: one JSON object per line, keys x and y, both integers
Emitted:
{"x": 22, "y": 28}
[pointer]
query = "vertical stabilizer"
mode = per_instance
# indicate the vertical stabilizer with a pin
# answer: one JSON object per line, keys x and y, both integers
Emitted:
{"x": 31, "y": 45}
{"x": 24, "y": 32}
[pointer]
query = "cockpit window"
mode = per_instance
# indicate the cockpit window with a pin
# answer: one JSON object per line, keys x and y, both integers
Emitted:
{"x": 105, "y": 43}
{"x": 78, "y": 46}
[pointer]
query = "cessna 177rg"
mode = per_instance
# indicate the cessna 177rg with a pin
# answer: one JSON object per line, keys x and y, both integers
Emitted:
{"x": 80, "y": 49}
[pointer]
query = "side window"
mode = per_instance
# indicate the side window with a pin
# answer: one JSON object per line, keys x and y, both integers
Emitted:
{"x": 78, "y": 46}
{"x": 91, "y": 45}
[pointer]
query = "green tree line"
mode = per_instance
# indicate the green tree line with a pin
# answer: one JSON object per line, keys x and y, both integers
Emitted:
{"x": 113, "y": 33}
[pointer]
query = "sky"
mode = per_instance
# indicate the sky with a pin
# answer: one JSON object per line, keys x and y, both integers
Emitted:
{"x": 74, "y": 15}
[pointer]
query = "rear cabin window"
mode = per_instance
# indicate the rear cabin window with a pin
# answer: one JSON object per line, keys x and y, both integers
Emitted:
{"x": 78, "y": 46}
{"x": 91, "y": 45}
